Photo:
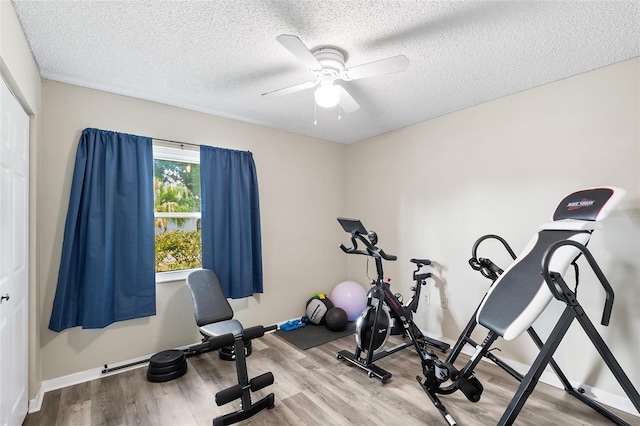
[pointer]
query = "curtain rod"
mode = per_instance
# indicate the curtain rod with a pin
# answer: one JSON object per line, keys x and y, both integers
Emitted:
{"x": 193, "y": 145}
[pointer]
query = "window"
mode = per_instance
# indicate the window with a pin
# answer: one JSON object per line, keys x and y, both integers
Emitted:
{"x": 176, "y": 187}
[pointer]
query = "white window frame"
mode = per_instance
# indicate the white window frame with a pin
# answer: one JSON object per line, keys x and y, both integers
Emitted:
{"x": 183, "y": 154}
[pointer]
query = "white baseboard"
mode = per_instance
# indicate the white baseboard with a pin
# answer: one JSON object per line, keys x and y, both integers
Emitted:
{"x": 86, "y": 376}
{"x": 35, "y": 404}
{"x": 599, "y": 395}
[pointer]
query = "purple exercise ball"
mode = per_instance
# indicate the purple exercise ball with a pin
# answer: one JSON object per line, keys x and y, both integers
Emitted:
{"x": 351, "y": 297}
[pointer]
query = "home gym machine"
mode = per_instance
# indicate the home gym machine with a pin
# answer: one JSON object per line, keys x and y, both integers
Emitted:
{"x": 491, "y": 271}
{"x": 519, "y": 295}
{"x": 374, "y": 326}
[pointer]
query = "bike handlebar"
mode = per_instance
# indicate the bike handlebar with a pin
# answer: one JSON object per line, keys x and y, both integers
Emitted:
{"x": 371, "y": 250}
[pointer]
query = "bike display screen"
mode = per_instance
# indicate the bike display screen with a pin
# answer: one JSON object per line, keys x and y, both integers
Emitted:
{"x": 352, "y": 225}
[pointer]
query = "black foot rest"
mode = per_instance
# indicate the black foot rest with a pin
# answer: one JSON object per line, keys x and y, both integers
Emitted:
{"x": 234, "y": 392}
{"x": 243, "y": 389}
{"x": 267, "y": 402}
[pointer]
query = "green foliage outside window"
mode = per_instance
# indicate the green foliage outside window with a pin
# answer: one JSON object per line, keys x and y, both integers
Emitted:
{"x": 178, "y": 240}
{"x": 172, "y": 198}
{"x": 177, "y": 250}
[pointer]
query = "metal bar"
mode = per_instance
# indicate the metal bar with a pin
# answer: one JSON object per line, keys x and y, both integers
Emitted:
{"x": 533, "y": 375}
{"x": 556, "y": 368}
{"x": 120, "y": 367}
{"x": 467, "y": 370}
{"x": 192, "y": 145}
{"x": 464, "y": 338}
{"x": 610, "y": 360}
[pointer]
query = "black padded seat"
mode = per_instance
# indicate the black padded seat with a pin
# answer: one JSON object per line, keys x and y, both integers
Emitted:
{"x": 520, "y": 295}
{"x": 221, "y": 328}
{"x": 211, "y": 308}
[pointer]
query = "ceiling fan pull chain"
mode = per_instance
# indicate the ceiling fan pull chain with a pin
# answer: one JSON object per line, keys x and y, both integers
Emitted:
{"x": 315, "y": 114}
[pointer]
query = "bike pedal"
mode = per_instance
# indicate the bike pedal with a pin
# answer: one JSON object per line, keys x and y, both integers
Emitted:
{"x": 470, "y": 387}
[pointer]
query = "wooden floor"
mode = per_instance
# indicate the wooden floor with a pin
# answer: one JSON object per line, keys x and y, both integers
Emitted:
{"x": 311, "y": 387}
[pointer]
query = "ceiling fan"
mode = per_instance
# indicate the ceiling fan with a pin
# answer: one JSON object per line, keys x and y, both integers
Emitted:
{"x": 328, "y": 65}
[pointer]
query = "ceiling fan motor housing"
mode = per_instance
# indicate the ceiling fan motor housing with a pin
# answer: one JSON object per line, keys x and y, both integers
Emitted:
{"x": 331, "y": 59}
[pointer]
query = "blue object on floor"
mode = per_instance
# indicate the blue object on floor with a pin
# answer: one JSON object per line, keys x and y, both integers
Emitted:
{"x": 292, "y": 325}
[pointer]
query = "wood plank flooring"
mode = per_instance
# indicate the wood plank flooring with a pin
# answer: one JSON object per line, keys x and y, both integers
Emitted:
{"x": 311, "y": 387}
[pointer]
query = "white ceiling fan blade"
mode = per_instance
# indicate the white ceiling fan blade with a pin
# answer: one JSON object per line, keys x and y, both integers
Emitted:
{"x": 294, "y": 45}
{"x": 290, "y": 89}
{"x": 383, "y": 66}
{"x": 347, "y": 103}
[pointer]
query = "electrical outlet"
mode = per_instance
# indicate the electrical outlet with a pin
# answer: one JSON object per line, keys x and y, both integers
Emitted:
{"x": 444, "y": 302}
{"x": 427, "y": 298}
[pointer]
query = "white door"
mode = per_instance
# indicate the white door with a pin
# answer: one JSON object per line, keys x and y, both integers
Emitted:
{"x": 14, "y": 265}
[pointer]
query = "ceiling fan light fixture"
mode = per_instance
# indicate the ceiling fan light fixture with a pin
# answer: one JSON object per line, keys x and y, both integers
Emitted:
{"x": 327, "y": 95}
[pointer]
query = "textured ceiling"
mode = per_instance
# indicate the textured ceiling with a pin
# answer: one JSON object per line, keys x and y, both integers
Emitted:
{"x": 219, "y": 56}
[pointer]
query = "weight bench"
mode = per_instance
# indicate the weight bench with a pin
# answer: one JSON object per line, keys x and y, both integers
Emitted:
{"x": 214, "y": 316}
{"x": 522, "y": 292}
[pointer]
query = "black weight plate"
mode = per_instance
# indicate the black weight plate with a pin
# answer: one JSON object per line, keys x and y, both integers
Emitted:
{"x": 169, "y": 369}
{"x": 167, "y": 358}
{"x": 158, "y": 378}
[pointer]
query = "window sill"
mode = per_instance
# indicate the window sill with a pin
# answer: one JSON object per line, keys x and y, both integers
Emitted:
{"x": 172, "y": 276}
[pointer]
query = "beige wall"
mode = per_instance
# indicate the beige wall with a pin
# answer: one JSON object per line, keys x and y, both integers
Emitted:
{"x": 501, "y": 167}
{"x": 19, "y": 70}
{"x": 302, "y": 191}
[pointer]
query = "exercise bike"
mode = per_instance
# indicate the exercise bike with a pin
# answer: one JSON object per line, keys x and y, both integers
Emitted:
{"x": 384, "y": 314}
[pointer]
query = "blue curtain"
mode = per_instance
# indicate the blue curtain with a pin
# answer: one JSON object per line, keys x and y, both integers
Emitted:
{"x": 231, "y": 242}
{"x": 107, "y": 270}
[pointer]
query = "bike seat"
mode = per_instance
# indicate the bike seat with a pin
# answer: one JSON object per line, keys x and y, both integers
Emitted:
{"x": 421, "y": 262}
